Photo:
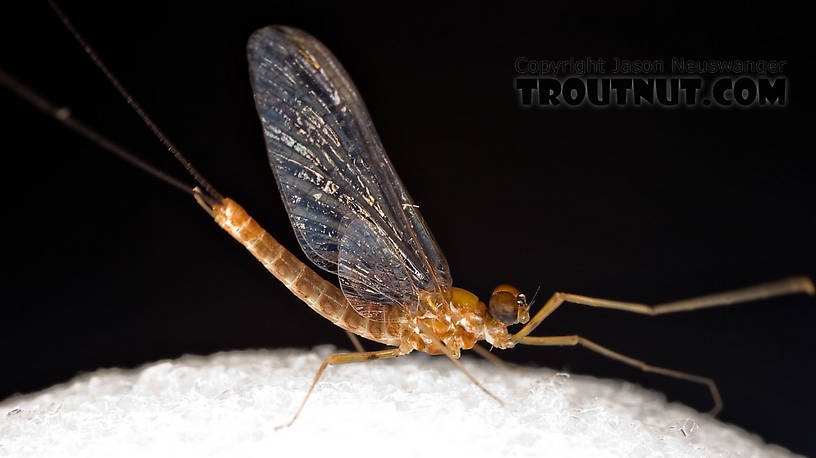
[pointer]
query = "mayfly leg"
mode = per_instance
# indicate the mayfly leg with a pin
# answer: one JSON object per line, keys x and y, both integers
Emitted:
{"x": 574, "y": 340}
{"x": 355, "y": 341}
{"x": 486, "y": 354}
{"x": 782, "y": 287}
{"x": 792, "y": 285}
{"x": 344, "y": 358}
{"x": 454, "y": 359}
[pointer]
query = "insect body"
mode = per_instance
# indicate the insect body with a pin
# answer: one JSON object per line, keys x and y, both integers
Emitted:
{"x": 354, "y": 218}
{"x": 459, "y": 319}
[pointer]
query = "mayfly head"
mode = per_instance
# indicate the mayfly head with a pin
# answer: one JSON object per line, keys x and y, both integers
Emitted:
{"x": 508, "y": 305}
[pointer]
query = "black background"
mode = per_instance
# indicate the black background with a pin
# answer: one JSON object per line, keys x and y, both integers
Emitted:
{"x": 108, "y": 267}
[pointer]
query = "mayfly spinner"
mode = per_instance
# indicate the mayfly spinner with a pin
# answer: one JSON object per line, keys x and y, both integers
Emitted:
{"x": 353, "y": 217}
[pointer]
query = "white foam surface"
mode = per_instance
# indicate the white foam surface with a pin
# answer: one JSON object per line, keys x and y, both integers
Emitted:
{"x": 229, "y": 404}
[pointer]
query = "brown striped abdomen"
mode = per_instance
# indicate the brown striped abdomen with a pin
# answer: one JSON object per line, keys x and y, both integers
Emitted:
{"x": 322, "y": 296}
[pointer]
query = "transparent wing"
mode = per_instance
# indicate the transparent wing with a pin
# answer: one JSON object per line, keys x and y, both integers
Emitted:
{"x": 332, "y": 170}
{"x": 372, "y": 275}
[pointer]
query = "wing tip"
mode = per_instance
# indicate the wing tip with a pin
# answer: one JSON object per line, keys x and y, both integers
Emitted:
{"x": 275, "y": 32}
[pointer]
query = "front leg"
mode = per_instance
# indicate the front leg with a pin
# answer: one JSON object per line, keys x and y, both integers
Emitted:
{"x": 782, "y": 287}
{"x": 574, "y": 340}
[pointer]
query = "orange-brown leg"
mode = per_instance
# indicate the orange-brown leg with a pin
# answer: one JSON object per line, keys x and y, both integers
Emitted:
{"x": 790, "y": 285}
{"x": 777, "y": 288}
{"x": 486, "y": 354}
{"x": 454, "y": 359}
{"x": 355, "y": 341}
{"x": 578, "y": 340}
{"x": 344, "y": 358}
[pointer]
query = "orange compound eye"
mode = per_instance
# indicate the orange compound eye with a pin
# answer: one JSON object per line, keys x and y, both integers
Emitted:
{"x": 504, "y": 306}
{"x": 508, "y": 305}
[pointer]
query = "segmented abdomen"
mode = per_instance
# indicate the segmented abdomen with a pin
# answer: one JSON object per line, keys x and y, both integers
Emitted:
{"x": 322, "y": 296}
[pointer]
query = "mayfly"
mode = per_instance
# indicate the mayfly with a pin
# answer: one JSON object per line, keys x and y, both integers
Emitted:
{"x": 353, "y": 217}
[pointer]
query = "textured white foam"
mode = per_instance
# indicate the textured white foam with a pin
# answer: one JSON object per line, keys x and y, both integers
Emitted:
{"x": 228, "y": 404}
